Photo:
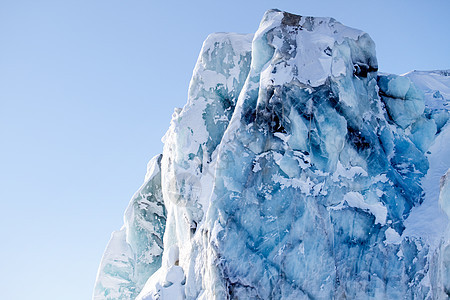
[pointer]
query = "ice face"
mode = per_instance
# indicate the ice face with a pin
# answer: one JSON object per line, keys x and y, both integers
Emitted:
{"x": 195, "y": 132}
{"x": 294, "y": 172}
{"x": 403, "y": 101}
{"x": 309, "y": 219}
{"x": 135, "y": 252}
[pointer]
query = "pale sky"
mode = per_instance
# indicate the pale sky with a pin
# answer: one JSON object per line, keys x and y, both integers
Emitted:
{"x": 87, "y": 89}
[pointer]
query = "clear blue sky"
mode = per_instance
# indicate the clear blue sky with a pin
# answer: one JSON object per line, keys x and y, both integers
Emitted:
{"x": 87, "y": 89}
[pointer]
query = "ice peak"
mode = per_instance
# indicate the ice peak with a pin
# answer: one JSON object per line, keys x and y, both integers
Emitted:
{"x": 310, "y": 49}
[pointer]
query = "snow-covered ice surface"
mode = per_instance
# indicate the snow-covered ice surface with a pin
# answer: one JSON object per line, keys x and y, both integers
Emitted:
{"x": 436, "y": 88}
{"x": 443, "y": 256}
{"x": 435, "y": 85}
{"x": 294, "y": 171}
{"x": 428, "y": 221}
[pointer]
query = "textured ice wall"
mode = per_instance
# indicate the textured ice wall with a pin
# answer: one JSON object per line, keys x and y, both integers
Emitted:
{"x": 190, "y": 150}
{"x": 293, "y": 172}
{"x": 135, "y": 252}
{"x": 325, "y": 178}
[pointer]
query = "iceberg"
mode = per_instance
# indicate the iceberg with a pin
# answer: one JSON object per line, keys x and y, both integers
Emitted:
{"x": 295, "y": 171}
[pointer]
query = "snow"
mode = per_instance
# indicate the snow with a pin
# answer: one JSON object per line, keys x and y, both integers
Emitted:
{"x": 428, "y": 221}
{"x": 356, "y": 200}
{"x": 168, "y": 282}
{"x": 392, "y": 236}
{"x": 435, "y": 85}
{"x": 349, "y": 173}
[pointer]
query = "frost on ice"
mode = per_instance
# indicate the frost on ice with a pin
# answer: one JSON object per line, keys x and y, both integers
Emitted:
{"x": 295, "y": 171}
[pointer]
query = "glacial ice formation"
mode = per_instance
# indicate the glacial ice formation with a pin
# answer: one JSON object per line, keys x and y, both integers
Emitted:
{"x": 294, "y": 171}
{"x": 134, "y": 252}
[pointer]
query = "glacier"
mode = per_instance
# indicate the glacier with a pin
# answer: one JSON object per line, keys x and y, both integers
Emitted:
{"x": 296, "y": 170}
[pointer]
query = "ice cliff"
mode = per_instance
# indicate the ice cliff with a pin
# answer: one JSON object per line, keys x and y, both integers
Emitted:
{"x": 294, "y": 171}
